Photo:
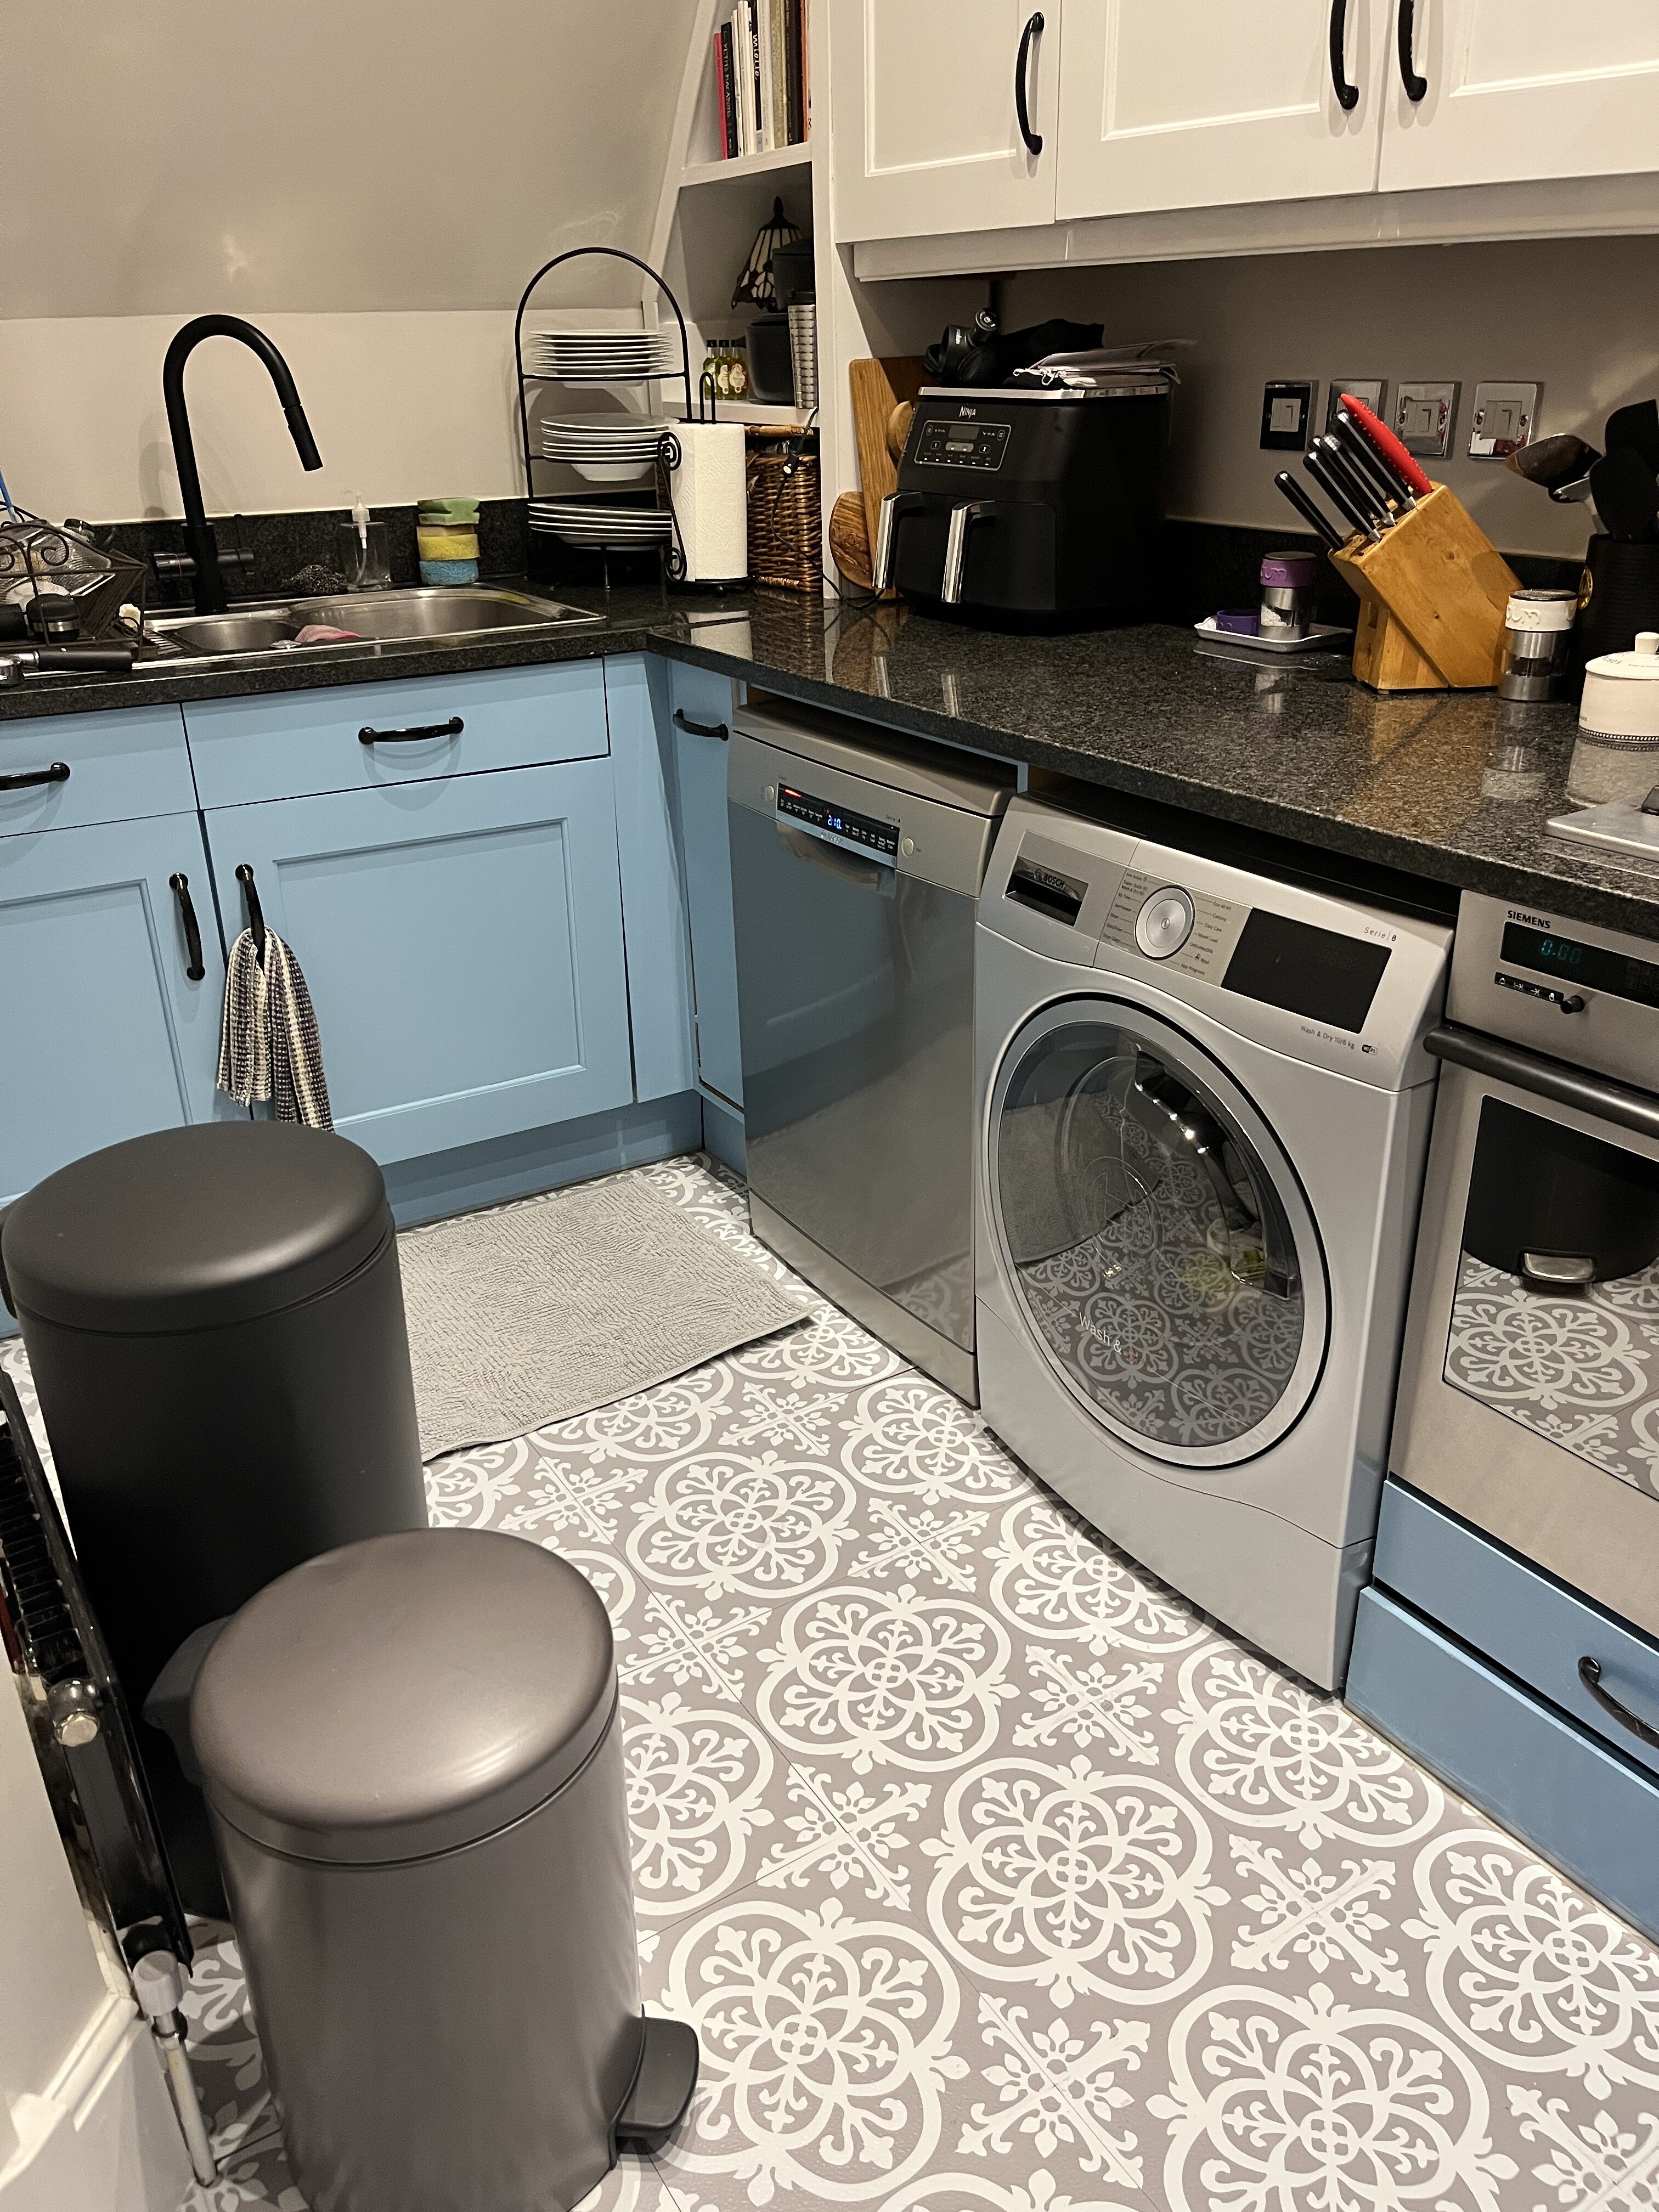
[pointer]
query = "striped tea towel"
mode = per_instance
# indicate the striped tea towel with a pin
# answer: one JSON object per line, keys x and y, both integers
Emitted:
{"x": 269, "y": 1047}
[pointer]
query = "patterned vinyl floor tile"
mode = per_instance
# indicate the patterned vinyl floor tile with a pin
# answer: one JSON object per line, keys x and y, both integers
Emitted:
{"x": 996, "y": 1878}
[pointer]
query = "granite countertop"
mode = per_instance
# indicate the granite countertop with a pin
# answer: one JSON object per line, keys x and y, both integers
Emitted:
{"x": 1454, "y": 787}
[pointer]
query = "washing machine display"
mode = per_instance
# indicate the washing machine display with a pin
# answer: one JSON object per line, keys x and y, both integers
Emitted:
{"x": 1156, "y": 1235}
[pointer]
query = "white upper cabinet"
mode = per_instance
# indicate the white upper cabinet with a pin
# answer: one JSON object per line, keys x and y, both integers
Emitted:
{"x": 1512, "y": 90}
{"x": 1211, "y": 103}
{"x": 926, "y": 98}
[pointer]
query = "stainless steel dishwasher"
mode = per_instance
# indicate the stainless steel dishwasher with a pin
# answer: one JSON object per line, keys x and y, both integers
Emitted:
{"x": 856, "y": 861}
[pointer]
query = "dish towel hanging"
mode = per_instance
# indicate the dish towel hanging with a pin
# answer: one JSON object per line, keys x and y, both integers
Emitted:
{"x": 268, "y": 1046}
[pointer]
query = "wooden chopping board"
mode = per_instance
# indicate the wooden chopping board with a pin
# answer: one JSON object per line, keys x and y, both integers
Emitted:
{"x": 877, "y": 387}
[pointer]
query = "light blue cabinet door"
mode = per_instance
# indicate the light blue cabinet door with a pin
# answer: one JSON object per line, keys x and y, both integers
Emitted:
{"x": 103, "y": 1035}
{"x": 462, "y": 940}
{"x": 702, "y": 702}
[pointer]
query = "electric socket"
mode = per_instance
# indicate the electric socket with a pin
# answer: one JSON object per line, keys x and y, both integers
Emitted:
{"x": 1425, "y": 415}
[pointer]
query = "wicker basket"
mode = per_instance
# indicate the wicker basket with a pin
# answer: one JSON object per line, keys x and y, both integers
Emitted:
{"x": 786, "y": 540}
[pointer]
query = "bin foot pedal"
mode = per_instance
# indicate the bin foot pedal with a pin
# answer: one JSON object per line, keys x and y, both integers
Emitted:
{"x": 662, "y": 2087}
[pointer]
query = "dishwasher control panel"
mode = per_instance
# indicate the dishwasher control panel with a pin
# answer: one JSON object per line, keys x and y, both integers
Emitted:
{"x": 839, "y": 825}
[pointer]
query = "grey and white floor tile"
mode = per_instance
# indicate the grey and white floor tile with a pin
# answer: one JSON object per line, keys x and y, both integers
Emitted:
{"x": 998, "y": 1880}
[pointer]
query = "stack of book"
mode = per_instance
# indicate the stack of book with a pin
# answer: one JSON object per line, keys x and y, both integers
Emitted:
{"x": 760, "y": 77}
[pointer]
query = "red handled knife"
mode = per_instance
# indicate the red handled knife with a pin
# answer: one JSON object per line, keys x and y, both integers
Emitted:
{"x": 1409, "y": 475}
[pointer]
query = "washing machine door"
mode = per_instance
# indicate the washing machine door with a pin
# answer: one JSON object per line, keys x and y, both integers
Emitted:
{"x": 1154, "y": 1235}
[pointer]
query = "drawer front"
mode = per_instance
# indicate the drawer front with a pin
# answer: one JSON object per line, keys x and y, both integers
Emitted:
{"x": 122, "y": 765}
{"x": 1506, "y": 1752}
{"x": 1521, "y": 1620}
{"x": 246, "y": 750}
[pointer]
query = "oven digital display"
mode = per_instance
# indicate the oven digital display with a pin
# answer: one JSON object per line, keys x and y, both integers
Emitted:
{"x": 1313, "y": 972}
{"x": 1587, "y": 966}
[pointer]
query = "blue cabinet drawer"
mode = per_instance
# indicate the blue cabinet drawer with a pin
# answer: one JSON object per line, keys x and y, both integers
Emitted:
{"x": 122, "y": 765}
{"x": 246, "y": 750}
{"x": 1556, "y": 1785}
{"x": 1517, "y": 1617}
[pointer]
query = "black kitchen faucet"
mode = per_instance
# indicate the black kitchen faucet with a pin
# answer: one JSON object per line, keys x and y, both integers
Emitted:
{"x": 207, "y": 584}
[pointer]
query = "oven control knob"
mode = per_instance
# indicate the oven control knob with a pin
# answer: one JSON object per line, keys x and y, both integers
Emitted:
{"x": 1574, "y": 1004}
{"x": 1164, "y": 923}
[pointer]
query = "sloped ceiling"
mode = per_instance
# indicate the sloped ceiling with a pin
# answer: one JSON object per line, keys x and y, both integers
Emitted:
{"x": 182, "y": 156}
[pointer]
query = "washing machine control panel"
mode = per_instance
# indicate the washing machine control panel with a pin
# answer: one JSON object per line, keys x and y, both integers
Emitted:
{"x": 1325, "y": 976}
{"x": 1192, "y": 932}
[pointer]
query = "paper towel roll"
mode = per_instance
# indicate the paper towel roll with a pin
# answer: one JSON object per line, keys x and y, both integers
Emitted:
{"x": 710, "y": 502}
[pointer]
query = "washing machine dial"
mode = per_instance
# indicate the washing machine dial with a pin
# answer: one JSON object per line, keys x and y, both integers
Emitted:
{"x": 1164, "y": 923}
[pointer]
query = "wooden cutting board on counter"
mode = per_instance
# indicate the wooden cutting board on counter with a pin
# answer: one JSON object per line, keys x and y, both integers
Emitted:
{"x": 877, "y": 387}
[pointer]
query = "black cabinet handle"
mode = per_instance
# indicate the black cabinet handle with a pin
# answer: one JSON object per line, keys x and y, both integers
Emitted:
{"x": 452, "y": 728}
{"x": 1033, "y": 138}
{"x": 179, "y": 885}
{"x": 256, "y": 918}
{"x": 1416, "y": 85}
{"x": 1348, "y": 95}
{"x": 1590, "y": 1674}
{"x": 58, "y": 773}
{"x": 683, "y": 721}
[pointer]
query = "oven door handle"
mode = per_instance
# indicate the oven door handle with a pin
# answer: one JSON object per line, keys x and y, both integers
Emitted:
{"x": 1545, "y": 1078}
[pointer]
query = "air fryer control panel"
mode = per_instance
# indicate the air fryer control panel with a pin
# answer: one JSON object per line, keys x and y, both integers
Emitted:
{"x": 945, "y": 443}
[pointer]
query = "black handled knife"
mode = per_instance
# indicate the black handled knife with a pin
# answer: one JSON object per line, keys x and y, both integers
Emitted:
{"x": 1378, "y": 512}
{"x": 1314, "y": 516}
{"x": 1314, "y": 463}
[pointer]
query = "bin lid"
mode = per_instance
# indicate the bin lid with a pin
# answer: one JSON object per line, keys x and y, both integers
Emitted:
{"x": 403, "y": 1695}
{"x": 194, "y": 1228}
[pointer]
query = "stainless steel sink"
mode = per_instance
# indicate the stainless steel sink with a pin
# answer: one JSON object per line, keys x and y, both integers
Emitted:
{"x": 425, "y": 616}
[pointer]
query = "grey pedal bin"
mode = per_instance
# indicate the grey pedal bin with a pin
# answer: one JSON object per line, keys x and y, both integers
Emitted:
{"x": 411, "y": 1750}
{"x": 214, "y": 1317}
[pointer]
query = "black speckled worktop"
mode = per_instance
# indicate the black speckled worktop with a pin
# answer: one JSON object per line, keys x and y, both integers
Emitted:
{"x": 1452, "y": 787}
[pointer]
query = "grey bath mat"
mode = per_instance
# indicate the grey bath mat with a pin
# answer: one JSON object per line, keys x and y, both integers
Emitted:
{"x": 539, "y": 1312}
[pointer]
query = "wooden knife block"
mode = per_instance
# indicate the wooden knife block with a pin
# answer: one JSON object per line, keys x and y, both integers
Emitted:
{"x": 1432, "y": 597}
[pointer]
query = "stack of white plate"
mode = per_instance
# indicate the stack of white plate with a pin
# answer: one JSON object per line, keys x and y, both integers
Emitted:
{"x": 604, "y": 448}
{"x": 618, "y": 525}
{"x": 604, "y": 357}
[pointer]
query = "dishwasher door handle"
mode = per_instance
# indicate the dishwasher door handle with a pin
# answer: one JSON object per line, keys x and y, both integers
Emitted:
{"x": 878, "y": 876}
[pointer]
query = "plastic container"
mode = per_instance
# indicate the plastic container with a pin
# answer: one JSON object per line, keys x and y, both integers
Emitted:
{"x": 412, "y": 1751}
{"x": 1617, "y": 755}
{"x": 1537, "y": 644}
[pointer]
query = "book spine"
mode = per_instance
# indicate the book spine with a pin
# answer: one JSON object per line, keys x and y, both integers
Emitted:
{"x": 778, "y": 13}
{"x": 758, "y": 142}
{"x": 806, "y": 70}
{"x": 763, "y": 46}
{"x": 792, "y": 64}
{"x": 720, "y": 96}
{"x": 740, "y": 76}
{"x": 728, "y": 95}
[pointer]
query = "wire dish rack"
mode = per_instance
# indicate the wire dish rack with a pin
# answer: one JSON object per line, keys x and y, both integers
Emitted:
{"x": 669, "y": 546}
{"x": 38, "y": 556}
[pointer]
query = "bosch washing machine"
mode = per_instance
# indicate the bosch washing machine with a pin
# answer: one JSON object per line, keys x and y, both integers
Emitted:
{"x": 1203, "y": 1114}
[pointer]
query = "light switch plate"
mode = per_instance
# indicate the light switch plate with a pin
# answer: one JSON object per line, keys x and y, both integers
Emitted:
{"x": 1505, "y": 418}
{"x": 1288, "y": 415}
{"x": 1372, "y": 391}
{"x": 1425, "y": 415}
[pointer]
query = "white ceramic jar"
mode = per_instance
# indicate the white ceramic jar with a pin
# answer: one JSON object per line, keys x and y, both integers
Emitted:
{"x": 1617, "y": 755}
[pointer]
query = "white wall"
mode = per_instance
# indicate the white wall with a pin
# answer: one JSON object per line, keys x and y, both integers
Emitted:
{"x": 1576, "y": 315}
{"x": 373, "y": 182}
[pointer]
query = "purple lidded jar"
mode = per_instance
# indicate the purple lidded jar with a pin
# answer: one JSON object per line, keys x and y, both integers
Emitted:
{"x": 1287, "y": 595}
